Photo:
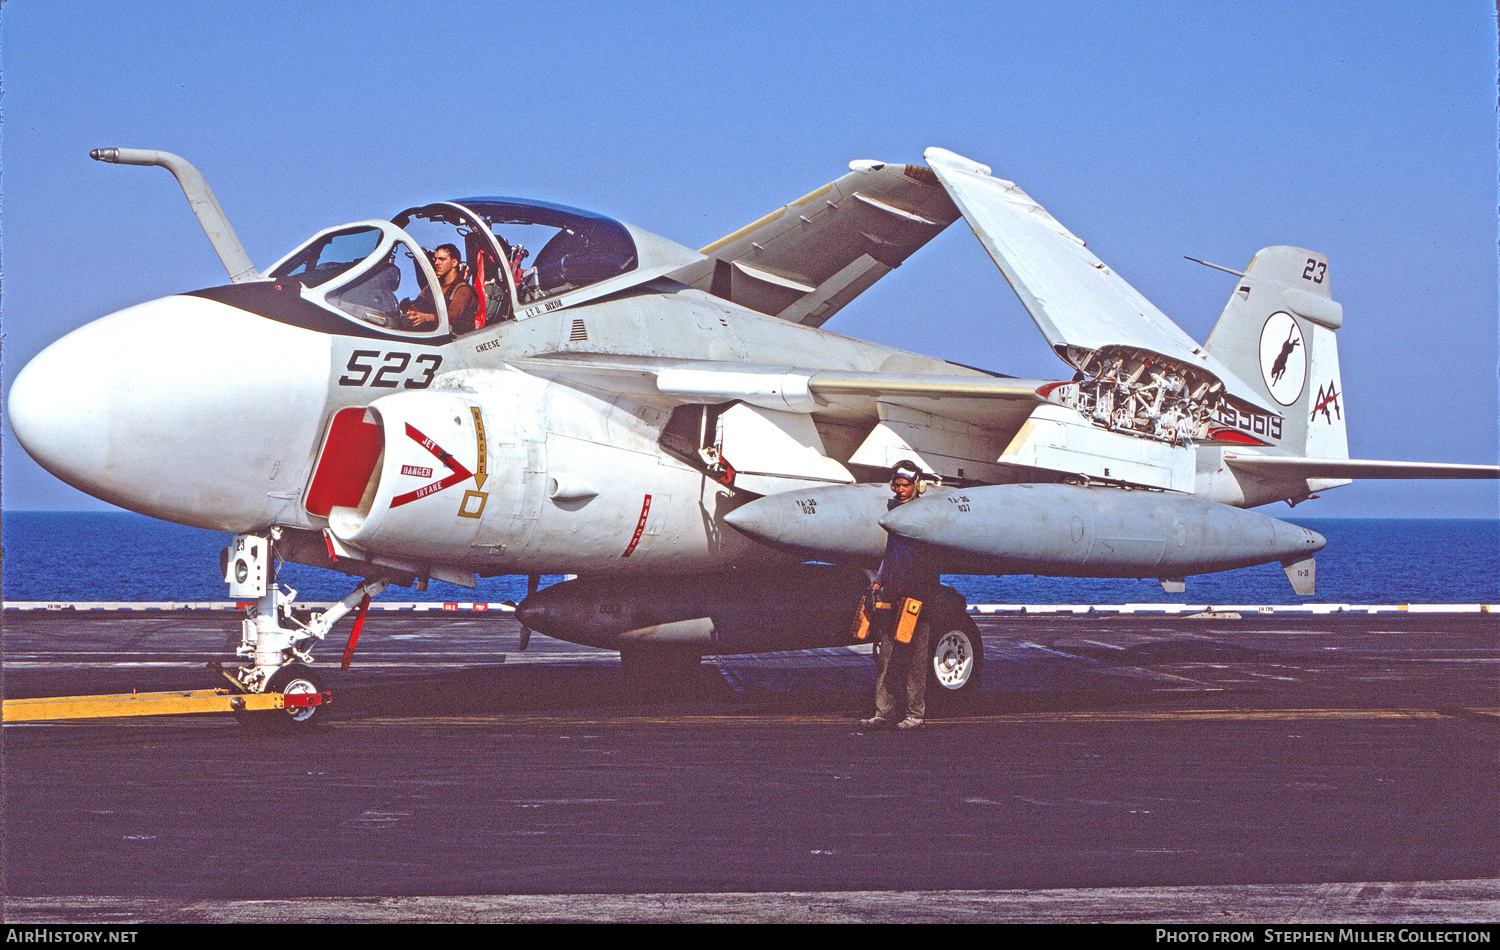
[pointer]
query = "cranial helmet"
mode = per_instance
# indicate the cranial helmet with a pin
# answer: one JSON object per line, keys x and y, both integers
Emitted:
{"x": 908, "y": 470}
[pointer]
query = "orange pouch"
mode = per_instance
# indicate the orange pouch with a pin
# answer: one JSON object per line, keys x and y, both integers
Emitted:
{"x": 911, "y": 608}
{"x": 861, "y": 627}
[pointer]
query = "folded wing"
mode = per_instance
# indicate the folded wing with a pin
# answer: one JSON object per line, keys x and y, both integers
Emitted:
{"x": 1078, "y": 303}
{"x": 806, "y": 261}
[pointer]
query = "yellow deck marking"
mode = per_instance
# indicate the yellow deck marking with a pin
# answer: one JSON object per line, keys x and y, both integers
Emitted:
{"x": 138, "y": 704}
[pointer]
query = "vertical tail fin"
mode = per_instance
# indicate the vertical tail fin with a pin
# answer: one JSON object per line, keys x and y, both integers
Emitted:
{"x": 1277, "y": 334}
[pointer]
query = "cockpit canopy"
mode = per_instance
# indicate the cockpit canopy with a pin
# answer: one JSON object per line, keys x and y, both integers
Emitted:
{"x": 577, "y": 248}
{"x": 354, "y": 268}
{"x": 514, "y": 253}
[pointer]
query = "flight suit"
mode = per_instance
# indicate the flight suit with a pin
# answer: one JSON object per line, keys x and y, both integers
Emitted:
{"x": 905, "y": 571}
{"x": 461, "y": 301}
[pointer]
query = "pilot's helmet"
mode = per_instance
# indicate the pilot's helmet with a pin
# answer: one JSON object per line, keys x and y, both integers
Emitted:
{"x": 908, "y": 470}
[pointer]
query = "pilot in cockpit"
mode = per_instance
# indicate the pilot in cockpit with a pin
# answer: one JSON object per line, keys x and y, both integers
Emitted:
{"x": 462, "y": 302}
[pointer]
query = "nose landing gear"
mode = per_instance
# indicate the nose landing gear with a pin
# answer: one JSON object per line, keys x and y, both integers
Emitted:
{"x": 278, "y": 644}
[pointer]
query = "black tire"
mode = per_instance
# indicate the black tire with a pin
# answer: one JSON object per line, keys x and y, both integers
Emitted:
{"x": 294, "y": 679}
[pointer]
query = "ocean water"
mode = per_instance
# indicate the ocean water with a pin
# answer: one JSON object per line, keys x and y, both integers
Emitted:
{"x": 118, "y": 556}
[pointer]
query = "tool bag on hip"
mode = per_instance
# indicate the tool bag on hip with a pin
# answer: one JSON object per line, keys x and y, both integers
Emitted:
{"x": 906, "y": 623}
{"x": 864, "y": 616}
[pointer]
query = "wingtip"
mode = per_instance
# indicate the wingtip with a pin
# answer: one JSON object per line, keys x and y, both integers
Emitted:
{"x": 940, "y": 156}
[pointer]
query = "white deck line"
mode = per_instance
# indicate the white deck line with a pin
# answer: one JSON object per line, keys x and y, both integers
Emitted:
{"x": 982, "y": 609}
{"x": 438, "y": 606}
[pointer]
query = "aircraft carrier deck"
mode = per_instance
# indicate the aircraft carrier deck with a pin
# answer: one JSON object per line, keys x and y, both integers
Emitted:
{"x": 1296, "y": 767}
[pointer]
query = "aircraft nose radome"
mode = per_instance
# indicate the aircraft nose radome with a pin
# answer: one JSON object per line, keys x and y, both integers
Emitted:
{"x": 52, "y": 411}
{"x": 27, "y": 409}
{"x": 182, "y": 408}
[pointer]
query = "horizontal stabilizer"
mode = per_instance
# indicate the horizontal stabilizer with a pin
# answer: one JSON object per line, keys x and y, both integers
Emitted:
{"x": 1074, "y": 298}
{"x": 1268, "y": 466}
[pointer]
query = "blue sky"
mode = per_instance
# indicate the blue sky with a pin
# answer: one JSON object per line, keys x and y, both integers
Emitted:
{"x": 1363, "y": 130}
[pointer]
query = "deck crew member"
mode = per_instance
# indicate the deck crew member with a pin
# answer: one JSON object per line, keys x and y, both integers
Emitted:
{"x": 906, "y": 575}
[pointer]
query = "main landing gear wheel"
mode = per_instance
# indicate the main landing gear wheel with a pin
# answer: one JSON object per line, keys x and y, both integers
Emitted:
{"x": 294, "y": 680}
{"x": 957, "y": 662}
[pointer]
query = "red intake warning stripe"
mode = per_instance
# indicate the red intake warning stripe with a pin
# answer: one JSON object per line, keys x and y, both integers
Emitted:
{"x": 640, "y": 526}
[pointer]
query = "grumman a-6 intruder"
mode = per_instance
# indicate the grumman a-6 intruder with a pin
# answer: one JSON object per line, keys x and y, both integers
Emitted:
{"x": 674, "y": 428}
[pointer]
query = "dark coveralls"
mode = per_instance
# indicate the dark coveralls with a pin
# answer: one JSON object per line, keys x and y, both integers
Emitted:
{"x": 905, "y": 571}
